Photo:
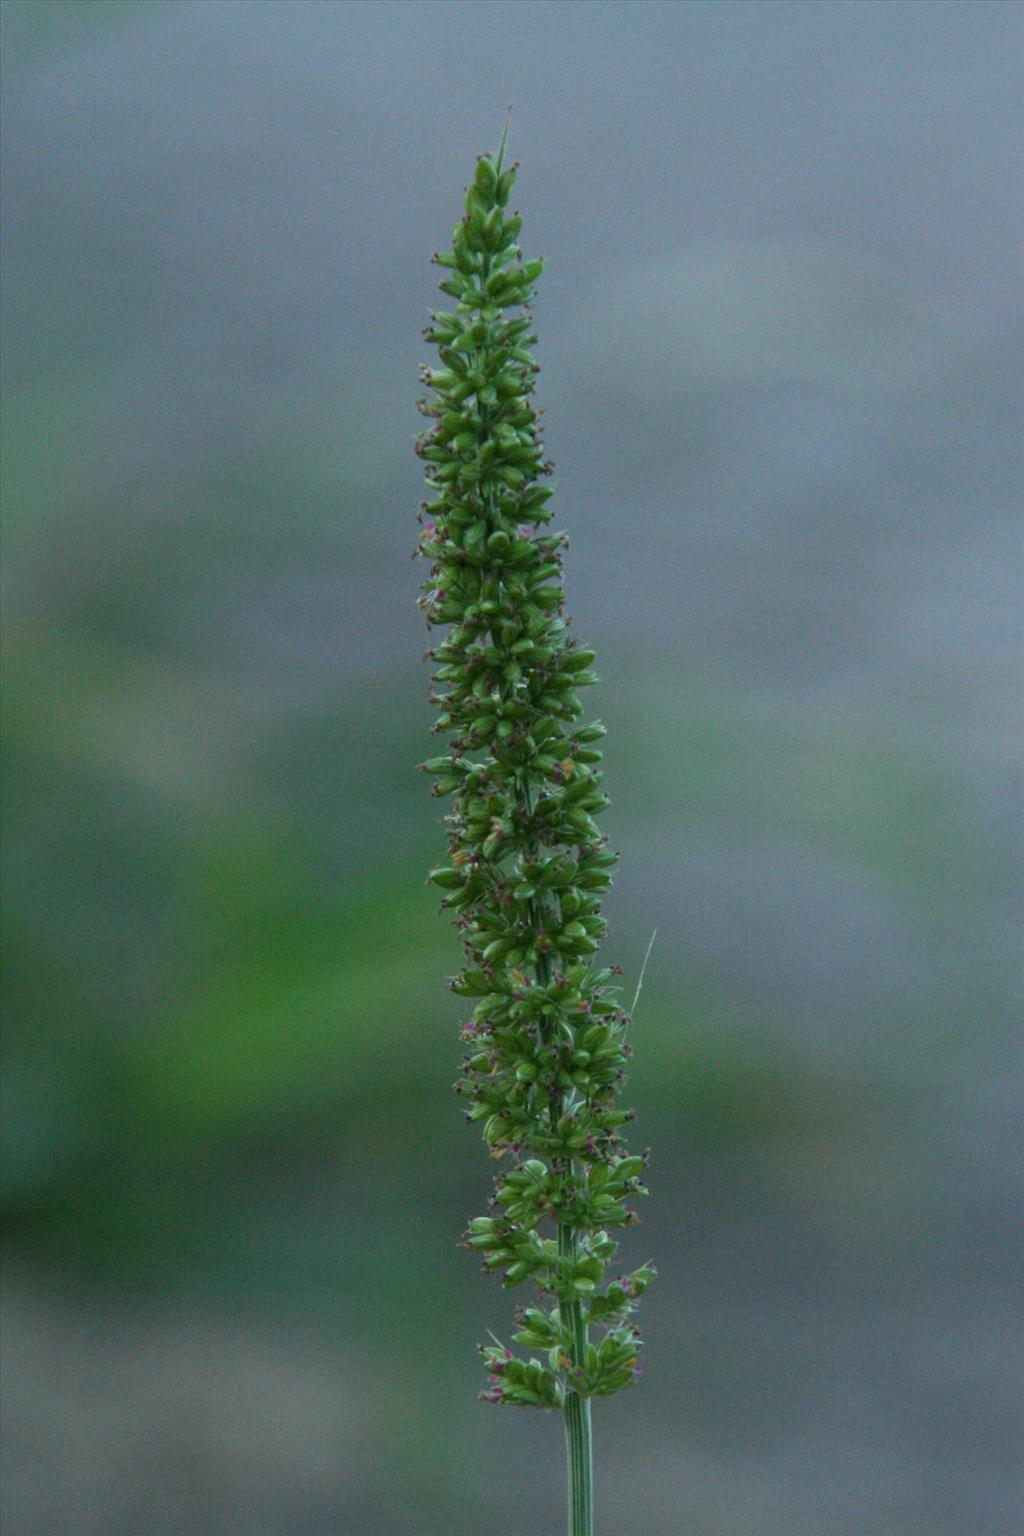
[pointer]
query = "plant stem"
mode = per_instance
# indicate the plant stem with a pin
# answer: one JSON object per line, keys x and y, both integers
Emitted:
{"x": 578, "y": 1445}
{"x": 578, "y": 1438}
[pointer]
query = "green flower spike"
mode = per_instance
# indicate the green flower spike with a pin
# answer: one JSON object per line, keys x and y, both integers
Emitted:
{"x": 547, "y": 1041}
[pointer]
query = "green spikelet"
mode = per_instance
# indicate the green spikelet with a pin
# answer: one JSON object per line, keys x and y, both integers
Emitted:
{"x": 526, "y": 863}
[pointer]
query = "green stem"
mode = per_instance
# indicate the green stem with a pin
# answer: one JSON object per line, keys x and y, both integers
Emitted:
{"x": 578, "y": 1445}
{"x": 578, "y": 1439}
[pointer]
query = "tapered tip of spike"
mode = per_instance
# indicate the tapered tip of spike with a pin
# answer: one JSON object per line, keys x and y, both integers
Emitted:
{"x": 504, "y": 137}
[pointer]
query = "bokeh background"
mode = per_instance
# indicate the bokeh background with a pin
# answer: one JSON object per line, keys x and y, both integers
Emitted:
{"x": 780, "y": 331}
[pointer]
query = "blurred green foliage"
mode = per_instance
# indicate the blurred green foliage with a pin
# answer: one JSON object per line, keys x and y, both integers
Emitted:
{"x": 220, "y": 951}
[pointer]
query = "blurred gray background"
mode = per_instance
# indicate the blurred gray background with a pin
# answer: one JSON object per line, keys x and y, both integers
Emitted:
{"x": 780, "y": 336}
